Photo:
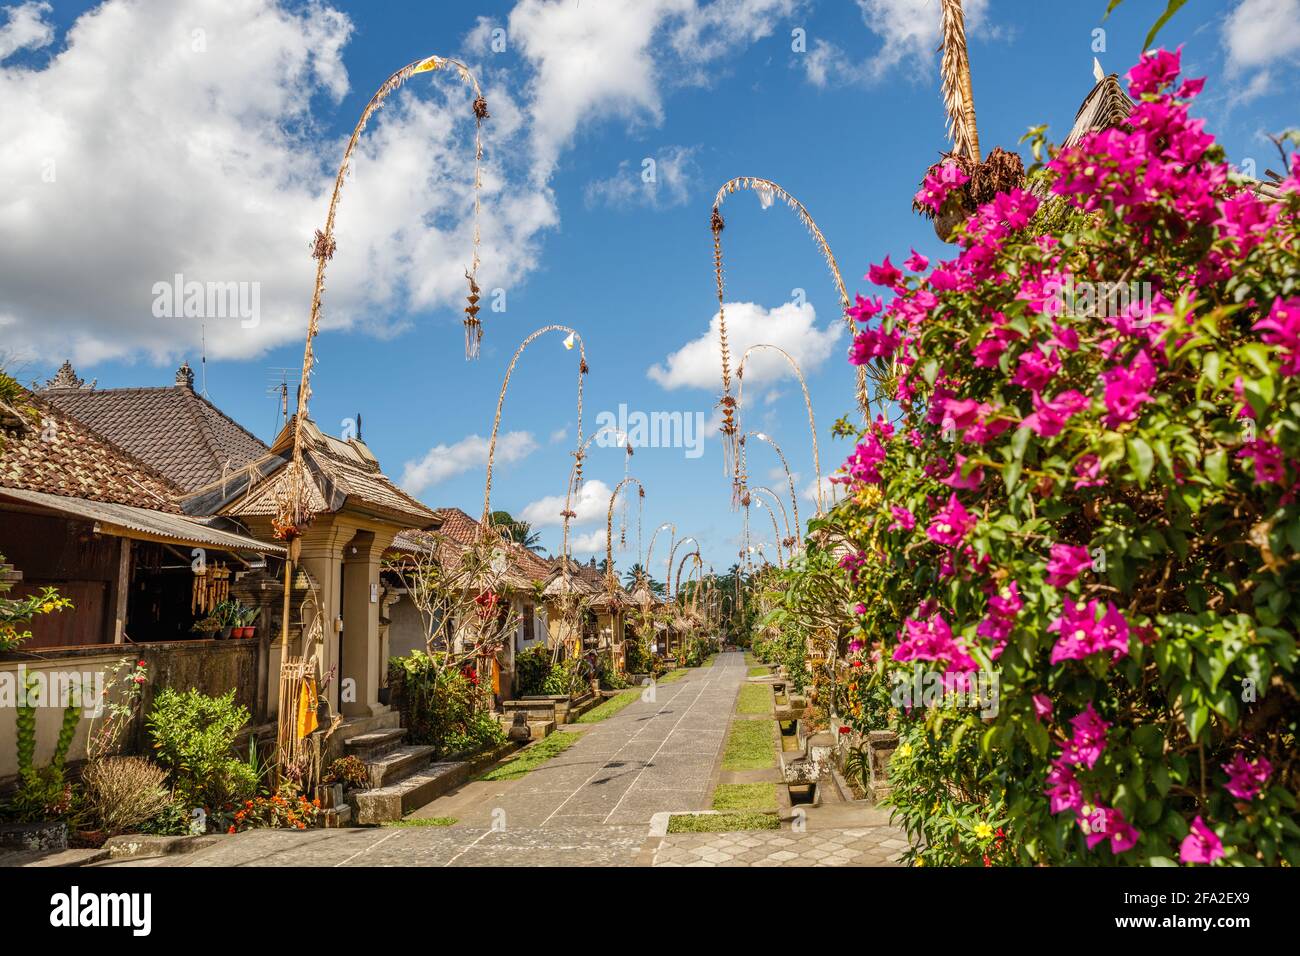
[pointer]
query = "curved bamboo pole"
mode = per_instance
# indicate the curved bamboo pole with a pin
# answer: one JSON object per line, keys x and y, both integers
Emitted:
{"x": 807, "y": 400}
{"x": 610, "y": 580}
{"x": 650, "y": 549}
{"x": 776, "y": 531}
{"x": 699, "y": 561}
{"x": 794, "y": 499}
{"x": 785, "y": 515}
{"x": 575, "y": 479}
{"x": 768, "y": 190}
{"x": 671, "y": 554}
{"x": 501, "y": 398}
{"x": 324, "y": 245}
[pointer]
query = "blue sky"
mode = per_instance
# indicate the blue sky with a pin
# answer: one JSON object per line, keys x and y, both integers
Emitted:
{"x": 214, "y": 162}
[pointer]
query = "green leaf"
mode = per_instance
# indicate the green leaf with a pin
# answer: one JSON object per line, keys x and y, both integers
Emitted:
{"x": 1140, "y": 459}
{"x": 1174, "y": 7}
{"x": 1216, "y": 467}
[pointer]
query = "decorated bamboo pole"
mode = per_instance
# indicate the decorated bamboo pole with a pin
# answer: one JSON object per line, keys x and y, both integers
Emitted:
{"x": 794, "y": 498}
{"x": 575, "y": 480}
{"x": 672, "y": 594}
{"x": 807, "y": 400}
{"x": 611, "y": 581}
{"x": 501, "y": 398}
{"x": 776, "y": 531}
{"x": 293, "y": 516}
{"x": 785, "y": 516}
{"x": 958, "y": 96}
{"x": 767, "y": 192}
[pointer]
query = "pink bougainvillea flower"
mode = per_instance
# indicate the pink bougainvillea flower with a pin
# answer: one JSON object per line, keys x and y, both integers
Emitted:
{"x": 904, "y": 520}
{"x": 1063, "y": 789}
{"x": 1246, "y": 778}
{"x": 1126, "y": 388}
{"x": 951, "y": 524}
{"x": 873, "y": 343}
{"x": 1270, "y": 468}
{"x": 1156, "y": 70}
{"x": 917, "y": 262}
{"x": 1003, "y": 608}
{"x": 852, "y": 563}
{"x": 864, "y": 464}
{"x": 934, "y": 191}
{"x": 1049, "y": 417}
{"x": 864, "y": 309}
{"x": 1067, "y": 563}
{"x": 930, "y": 638}
{"x": 860, "y": 609}
{"x": 1042, "y": 706}
{"x": 1088, "y": 471}
{"x": 885, "y": 274}
{"x": 961, "y": 480}
{"x": 1282, "y": 328}
{"x": 1035, "y": 369}
{"x": 1201, "y": 845}
{"x": 1106, "y": 823}
{"x": 1082, "y": 634}
{"x": 1089, "y": 739}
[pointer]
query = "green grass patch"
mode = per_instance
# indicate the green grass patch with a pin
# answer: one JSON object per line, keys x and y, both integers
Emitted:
{"x": 421, "y": 822}
{"x": 745, "y": 796}
{"x": 754, "y": 699}
{"x": 749, "y": 746}
{"x": 610, "y": 707}
{"x": 708, "y": 661}
{"x": 673, "y": 675}
{"x": 760, "y": 671}
{"x": 531, "y": 757}
{"x": 722, "y": 822}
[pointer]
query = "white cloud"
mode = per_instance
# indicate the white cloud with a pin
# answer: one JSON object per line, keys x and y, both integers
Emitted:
{"x": 26, "y": 29}
{"x": 559, "y": 435}
{"x": 793, "y": 327}
{"x": 658, "y": 182}
{"x": 593, "y": 542}
{"x": 1259, "y": 32}
{"x": 150, "y": 146}
{"x": 589, "y": 504}
{"x": 445, "y": 461}
{"x": 909, "y": 32}
{"x": 610, "y": 59}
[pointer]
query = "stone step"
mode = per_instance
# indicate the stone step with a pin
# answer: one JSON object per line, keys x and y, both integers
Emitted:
{"x": 388, "y": 768}
{"x": 374, "y": 744}
{"x": 388, "y": 803}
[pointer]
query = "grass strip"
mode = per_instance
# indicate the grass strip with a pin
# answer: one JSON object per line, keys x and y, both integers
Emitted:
{"x": 421, "y": 822}
{"x": 673, "y": 675}
{"x": 722, "y": 822}
{"x": 745, "y": 796}
{"x": 531, "y": 757}
{"x": 609, "y": 708}
{"x": 749, "y": 746}
{"x": 754, "y": 699}
{"x": 760, "y": 672}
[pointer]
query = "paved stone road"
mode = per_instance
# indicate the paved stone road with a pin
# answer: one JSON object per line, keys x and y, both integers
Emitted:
{"x": 589, "y": 806}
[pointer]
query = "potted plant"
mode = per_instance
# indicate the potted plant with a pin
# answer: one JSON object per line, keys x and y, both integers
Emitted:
{"x": 247, "y": 614}
{"x": 207, "y": 626}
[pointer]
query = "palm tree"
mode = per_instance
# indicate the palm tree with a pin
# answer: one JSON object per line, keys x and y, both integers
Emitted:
{"x": 520, "y": 532}
{"x": 637, "y": 571}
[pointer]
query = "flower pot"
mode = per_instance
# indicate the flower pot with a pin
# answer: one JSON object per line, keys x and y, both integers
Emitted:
{"x": 225, "y": 633}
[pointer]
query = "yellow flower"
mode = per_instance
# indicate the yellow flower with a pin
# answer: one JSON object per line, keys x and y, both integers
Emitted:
{"x": 905, "y": 750}
{"x": 983, "y": 831}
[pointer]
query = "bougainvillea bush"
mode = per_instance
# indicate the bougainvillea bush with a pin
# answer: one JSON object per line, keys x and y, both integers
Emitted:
{"x": 1097, "y": 504}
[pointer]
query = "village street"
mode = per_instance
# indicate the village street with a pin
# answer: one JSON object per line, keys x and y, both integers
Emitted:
{"x": 591, "y": 805}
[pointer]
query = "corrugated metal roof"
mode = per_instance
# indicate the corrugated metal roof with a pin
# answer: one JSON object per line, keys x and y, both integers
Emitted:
{"x": 143, "y": 523}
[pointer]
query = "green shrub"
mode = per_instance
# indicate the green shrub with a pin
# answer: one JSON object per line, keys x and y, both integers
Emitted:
{"x": 441, "y": 705}
{"x": 532, "y": 666}
{"x": 193, "y": 739}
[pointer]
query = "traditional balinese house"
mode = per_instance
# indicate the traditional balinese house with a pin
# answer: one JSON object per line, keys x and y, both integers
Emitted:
{"x": 106, "y": 529}
{"x": 358, "y": 512}
{"x": 520, "y": 583}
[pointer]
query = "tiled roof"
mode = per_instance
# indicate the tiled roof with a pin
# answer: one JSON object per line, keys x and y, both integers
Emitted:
{"x": 343, "y": 473}
{"x": 173, "y": 429}
{"x": 456, "y": 531}
{"x": 54, "y": 453}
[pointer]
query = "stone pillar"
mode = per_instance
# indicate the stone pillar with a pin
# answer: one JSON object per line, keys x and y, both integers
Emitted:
{"x": 362, "y": 648}
{"x": 321, "y": 557}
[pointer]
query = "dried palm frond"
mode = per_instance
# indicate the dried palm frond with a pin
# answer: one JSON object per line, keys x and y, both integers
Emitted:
{"x": 958, "y": 97}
